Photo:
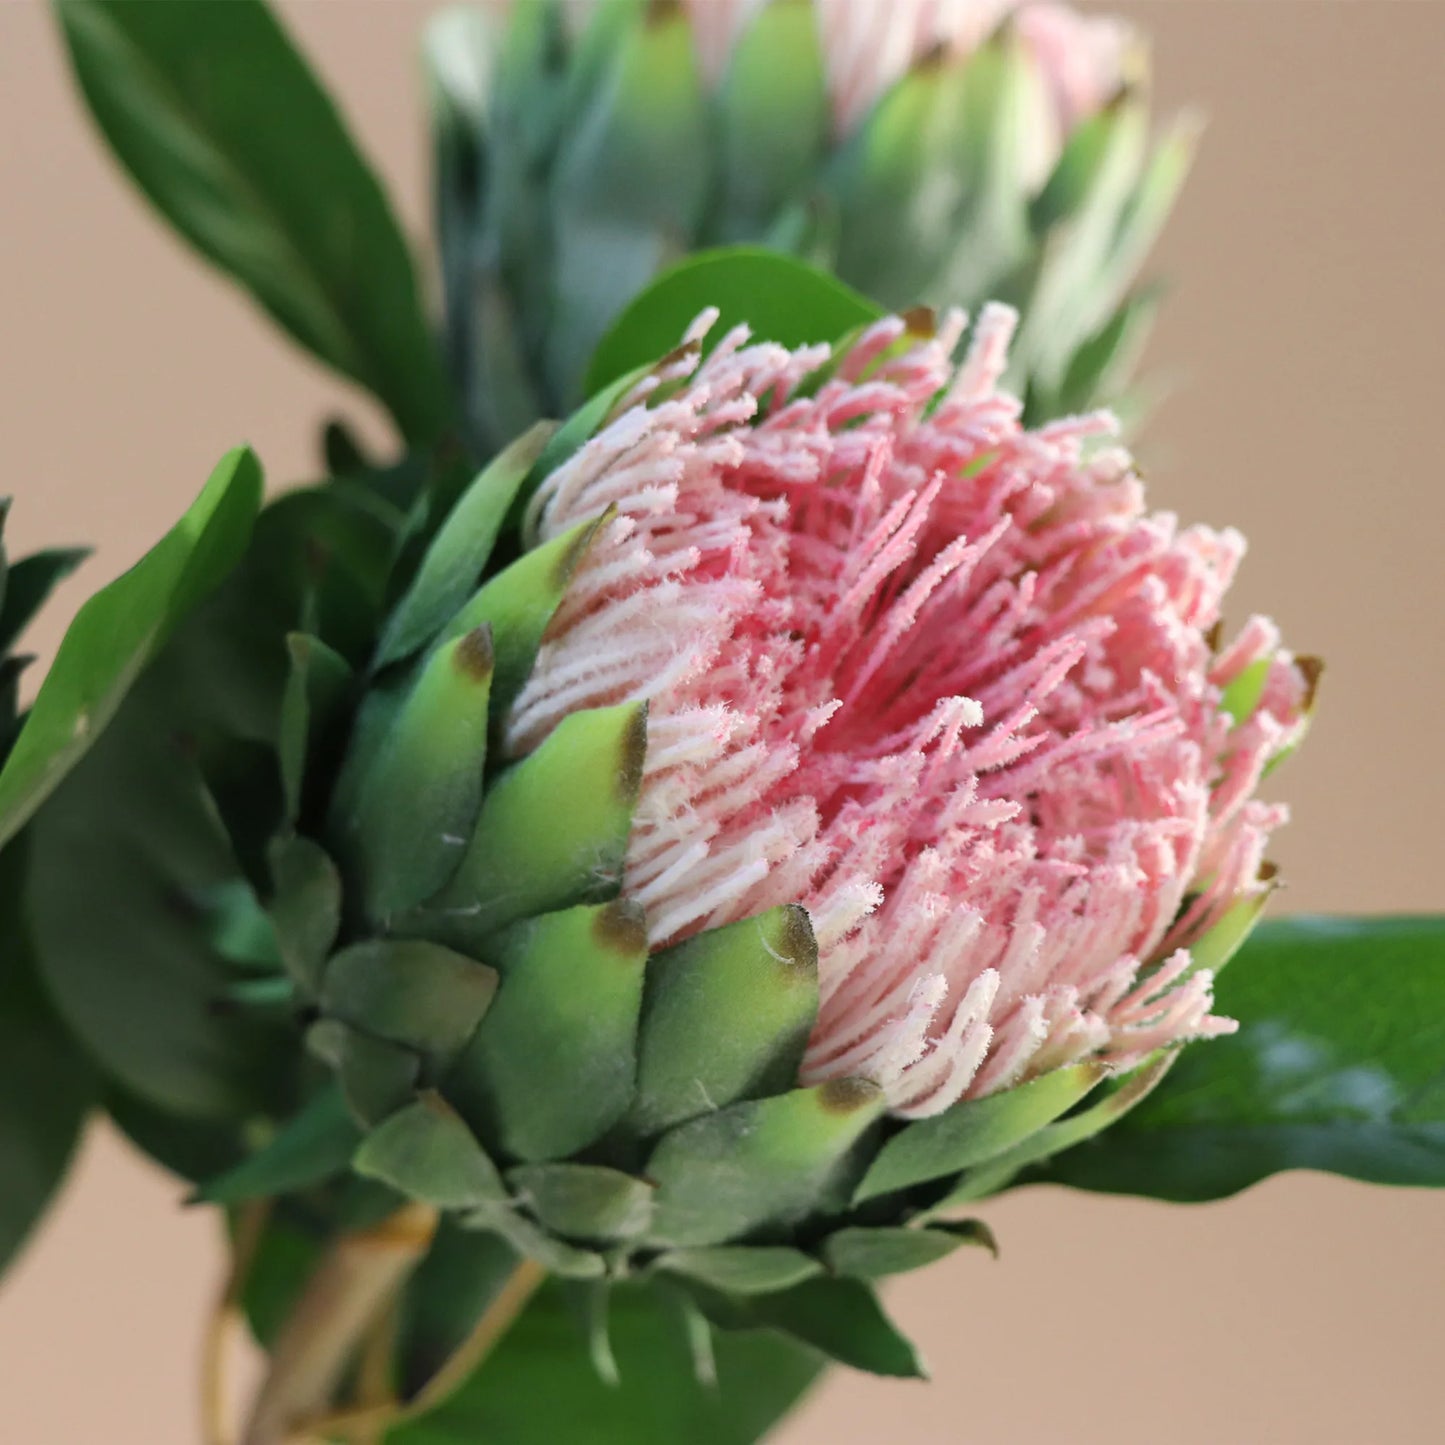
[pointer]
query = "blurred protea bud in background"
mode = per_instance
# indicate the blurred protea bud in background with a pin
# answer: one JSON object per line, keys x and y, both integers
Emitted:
{"x": 946, "y": 152}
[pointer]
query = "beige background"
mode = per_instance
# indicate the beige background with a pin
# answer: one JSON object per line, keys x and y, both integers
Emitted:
{"x": 1308, "y": 334}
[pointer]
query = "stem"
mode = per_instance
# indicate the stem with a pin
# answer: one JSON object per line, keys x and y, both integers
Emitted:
{"x": 352, "y": 1286}
{"x": 223, "y": 1319}
{"x": 365, "y": 1420}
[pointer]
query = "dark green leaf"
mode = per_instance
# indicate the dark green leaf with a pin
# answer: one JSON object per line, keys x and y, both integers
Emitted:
{"x": 315, "y": 1144}
{"x": 584, "y": 1201}
{"x": 120, "y": 629}
{"x": 1338, "y": 1065}
{"x": 29, "y": 582}
{"x": 781, "y": 299}
{"x": 877, "y": 1253}
{"x": 742, "y": 1268}
{"x": 228, "y": 133}
{"x": 538, "y": 1386}
{"x": 46, "y": 1084}
{"x": 841, "y": 1317}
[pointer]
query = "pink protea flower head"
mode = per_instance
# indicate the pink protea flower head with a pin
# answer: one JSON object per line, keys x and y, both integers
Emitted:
{"x": 941, "y": 679}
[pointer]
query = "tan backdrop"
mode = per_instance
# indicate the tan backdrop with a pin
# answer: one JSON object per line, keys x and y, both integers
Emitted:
{"x": 1307, "y": 335}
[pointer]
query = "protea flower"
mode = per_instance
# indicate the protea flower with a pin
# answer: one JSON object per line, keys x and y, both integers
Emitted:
{"x": 924, "y": 151}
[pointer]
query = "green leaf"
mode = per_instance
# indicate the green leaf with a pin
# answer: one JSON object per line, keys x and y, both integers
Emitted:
{"x": 46, "y": 1085}
{"x": 312, "y": 1146}
{"x": 781, "y": 299}
{"x": 976, "y": 1130}
{"x": 841, "y": 1317}
{"x": 117, "y": 632}
{"x": 28, "y": 583}
{"x": 316, "y": 691}
{"x": 1338, "y": 1065}
{"x": 223, "y": 126}
{"x": 539, "y": 1383}
{"x": 305, "y": 907}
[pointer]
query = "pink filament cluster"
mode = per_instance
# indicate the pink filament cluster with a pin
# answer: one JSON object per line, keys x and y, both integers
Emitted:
{"x": 937, "y": 677}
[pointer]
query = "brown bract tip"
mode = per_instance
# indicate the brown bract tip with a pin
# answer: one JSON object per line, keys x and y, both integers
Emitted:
{"x": 847, "y": 1096}
{"x": 621, "y": 928}
{"x": 634, "y": 754}
{"x": 921, "y": 321}
{"x": 795, "y": 945}
{"x": 1311, "y": 669}
{"x": 474, "y": 655}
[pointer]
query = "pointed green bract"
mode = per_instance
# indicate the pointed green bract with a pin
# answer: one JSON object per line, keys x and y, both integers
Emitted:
{"x": 556, "y": 1256}
{"x": 877, "y": 1252}
{"x": 553, "y": 1065}
{"x": 454, "y": 561}
{"x": 517, "y": 604}
{"x": 586, "y": 1202}
{"x": 427, "y": 1152}
{"x": 529, "y": 855}
{"x": 305, "y": 907}
{"x": 410, "y": 992}
{"x": 975, "y": 1131}
{"x": 28, "y": 584}
{"x": 742, "y": 1268}
{"x": 727, "y": 1017}
{"x": 316, "y": 688}
{"x": 417, "y": 804}
{"x": 759, "y": 1165}
{"x": 377, "y": 1077}
{"x": 1052, "y": 1139}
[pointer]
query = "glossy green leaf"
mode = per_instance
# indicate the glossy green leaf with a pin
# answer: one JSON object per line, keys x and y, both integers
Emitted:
{"x": 46, "y": 1084}
{"x": 117, "y": 632}
{"x": 975, "y": 1130}
{"x": 314, "y": 1145}
{"x": 553, "y": 1065}
{"x": 726, "y": 1016}
{"x": 426, "y": 1152}
{"x": 224, "y": 127}
{"x": 840, "y": 1317}
{"x": 539, "y": 1383}
{"x": 781, "y": 299}
{"x": 1338, "y": 1065}
{"x": 760, "y": 1165}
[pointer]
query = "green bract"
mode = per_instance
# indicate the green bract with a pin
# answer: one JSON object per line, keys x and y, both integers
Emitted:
{"x": 575, "y": 162}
